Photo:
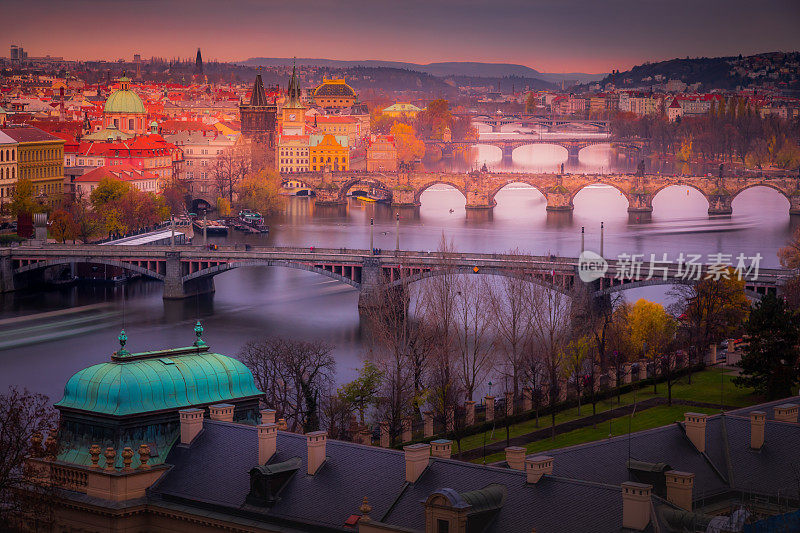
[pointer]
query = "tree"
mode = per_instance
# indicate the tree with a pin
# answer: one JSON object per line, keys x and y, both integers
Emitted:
{"x": 230, "y": 168}
{"x": 652, "y": 329}
{"x": 360, "y": 393}
{"x": 223, "y": 207}
{"x": 23, "y": 415}
{"x": 475, "y": 346}
{"x": 578, "y": 360}
{"x": 292, "y": 374}
{"x": 790, "y": 254}
{"x": 87, "y": 222}
{"x": 409, "y": 148}
{"x": 176, "y": 195}
{"x": 63, "y": 225}
{"x": 710, "y": 310}
{"x": 260, "y": 192}
{"x": 511, "y": 310}
{"x": 23, "y": 200}
{"x": 108, "y": 191}
{"x": 552, "y": 327}
{"x": 770, "y": 362}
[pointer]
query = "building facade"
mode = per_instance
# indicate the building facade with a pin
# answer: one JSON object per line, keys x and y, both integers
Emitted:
{"x": 329, "y": 152}
{"x": 8, "y": 169}
{"x": 201, "y": 152}
{"x": 293, "y": 154}
{"x": 381, "y": 154}
{"x": 40, "y": 158}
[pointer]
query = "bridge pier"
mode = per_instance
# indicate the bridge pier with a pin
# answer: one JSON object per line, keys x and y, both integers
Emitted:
{"x": 403, "y": 196}
{"x": 640, "y": 204}
{"x": 719, "y": 205}
{"x": 6, "y": 271}
{"x": 558, "y": 199}
{"x": 794, "y": 205}
{"x": 174, "y": 286}
{"x": 376, "y": 296}
{"x": 328, "y": 194}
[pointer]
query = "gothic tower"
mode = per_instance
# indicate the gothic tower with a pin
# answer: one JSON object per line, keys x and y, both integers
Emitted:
{"x": 198, "y": 64}
{"x": 293, "y": 120}
{"x": 259, "y": 118}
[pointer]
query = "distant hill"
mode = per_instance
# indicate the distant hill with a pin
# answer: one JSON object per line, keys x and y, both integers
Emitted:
{"x": 779, "y": 68}
{"x": 442, "y": 70}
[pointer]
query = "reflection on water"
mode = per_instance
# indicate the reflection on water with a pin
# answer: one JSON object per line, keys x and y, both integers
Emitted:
{"x": 257, "y": 301}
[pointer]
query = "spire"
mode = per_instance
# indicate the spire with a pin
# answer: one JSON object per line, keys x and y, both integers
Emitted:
{"x": 198, "y": 64}
{"x": 198, "y": 331}
{"x": 123, "y": 340}
{"x": 258, "y": 98}
{"x": 294, "y": 89}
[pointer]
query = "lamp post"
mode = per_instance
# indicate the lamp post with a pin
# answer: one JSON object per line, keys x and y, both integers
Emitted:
{"x": 397, "y": 232}
{"x": 371, "y": 236}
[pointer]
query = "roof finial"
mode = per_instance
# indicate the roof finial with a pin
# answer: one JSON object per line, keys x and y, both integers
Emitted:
{"x": 365, "y": 509}
{"x": 198, "y": 330}
{"x": 123, "y": 340}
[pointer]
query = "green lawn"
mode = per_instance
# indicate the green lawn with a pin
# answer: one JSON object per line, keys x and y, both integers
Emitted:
{"x": 706, "y": 387}
{"x": 650, "y": 418}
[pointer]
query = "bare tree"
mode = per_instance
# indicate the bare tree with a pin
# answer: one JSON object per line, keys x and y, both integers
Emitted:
{"x": 438, "y": 306}
{"x": 230, "y": 167}
{"x": 292, "y": 373}
{"x": 24, "y": 418}
{"x": 476, "y": 348}
{"x": 511, "y": 310}
{"x": 551, "y": 330}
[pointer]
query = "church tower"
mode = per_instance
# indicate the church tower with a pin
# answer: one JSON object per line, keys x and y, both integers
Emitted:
{"x": 259, "y": 117}
{"x": 198, "y": 64}
{"x": 293, "y": 121}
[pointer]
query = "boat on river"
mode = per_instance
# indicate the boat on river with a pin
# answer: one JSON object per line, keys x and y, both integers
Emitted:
{"x": 212, "y": 227}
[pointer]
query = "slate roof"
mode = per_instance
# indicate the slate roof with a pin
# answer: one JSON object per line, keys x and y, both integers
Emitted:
{"x": 583, "y": 494}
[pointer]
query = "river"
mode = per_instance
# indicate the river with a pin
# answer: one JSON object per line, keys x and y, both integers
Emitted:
{"x": 42, "y": 353}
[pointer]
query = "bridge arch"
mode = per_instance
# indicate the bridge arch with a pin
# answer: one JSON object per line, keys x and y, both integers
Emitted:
{"x": 418, "y": 192}
{"x": 225, "y": 267}
{"x": 372, "y": 182}
{"x": 599, "y": 181}
{"x": 764, "y": 185}
{"x": 561, "y": 288}
{"x": 679, "y": 183}
{"x": 39, "y": 265}
{"x": 512, "y": 181}
{"x": 514, "y": 147}
{"x": 750, "y": 293}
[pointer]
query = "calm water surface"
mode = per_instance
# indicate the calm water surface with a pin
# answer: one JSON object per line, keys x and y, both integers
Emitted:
{"x": 256, "y": 301}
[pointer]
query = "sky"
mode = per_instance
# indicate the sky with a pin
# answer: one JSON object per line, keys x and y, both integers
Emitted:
{"x": 548, "y": 35}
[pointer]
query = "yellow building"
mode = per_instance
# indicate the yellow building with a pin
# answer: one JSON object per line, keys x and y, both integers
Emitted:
{"x": 293, "y": 154}
{"x": 328, "y": 151}
{"x": 339, "y": 125}
{"x": 398, "y": 110}
{"x": 40, "y": 158}
{"x": 334, "y": 93}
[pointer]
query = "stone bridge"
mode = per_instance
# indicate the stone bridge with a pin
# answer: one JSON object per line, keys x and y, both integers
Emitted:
{"x": 480, "y": 188}
{"x": 190, "y": 270}
{"x": 572, "y": 145}
{"x": 551, "y": 123}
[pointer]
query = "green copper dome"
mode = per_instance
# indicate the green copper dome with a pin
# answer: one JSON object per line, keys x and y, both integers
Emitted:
{"x": 156, "y": 381}
{"x": 124, "y": 100}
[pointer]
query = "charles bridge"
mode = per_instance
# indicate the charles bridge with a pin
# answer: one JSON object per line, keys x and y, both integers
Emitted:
{"x": 548, "y": 122}
{"x": 480, "y": 187}
{"x": 572, "y": 144}
{"x": 188, "y": 270}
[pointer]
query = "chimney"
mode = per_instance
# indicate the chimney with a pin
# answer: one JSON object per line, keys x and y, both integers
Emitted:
{"x": 515, "y": 457}
{"x": 316, "y": 441}
{"x": 222, "y": 412}
{"x": 695, "y": 424}
{"x": 417, "y": 456}
{"x": 536, "y": 466}
{"x": 268, "y": 416}
{"x": 636, "y": 505}
{"x": 441, "y": 448}
{"x": 267, "y": 442}
{"x": 757, "y": 422}
{"x": 786, "y": 413}
{"x": 191, "y": 424}
{"x": 679, "y": 488}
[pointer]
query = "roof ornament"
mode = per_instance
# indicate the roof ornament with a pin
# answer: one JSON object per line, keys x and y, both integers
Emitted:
{"x": 365, "y": 509}
{"x": 123, "y": 340}
{"x": 198, "y": 330}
